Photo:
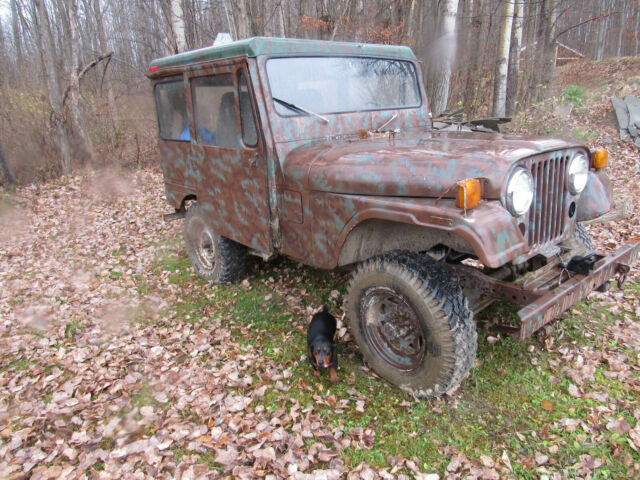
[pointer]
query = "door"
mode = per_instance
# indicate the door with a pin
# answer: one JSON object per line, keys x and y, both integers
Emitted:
{"x": 228, "y": 156}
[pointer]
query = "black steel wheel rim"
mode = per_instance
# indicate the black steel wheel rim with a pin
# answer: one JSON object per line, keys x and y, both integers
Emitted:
{"x": 392, "y": 328}
{"x": 204, "y": 245}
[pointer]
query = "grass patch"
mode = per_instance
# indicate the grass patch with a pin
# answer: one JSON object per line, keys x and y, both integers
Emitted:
{"x": 18, "y": 365}
{"x": 499, "y": 407}
{"x": 71, "y": 329}
{"x": 574, "y": 94}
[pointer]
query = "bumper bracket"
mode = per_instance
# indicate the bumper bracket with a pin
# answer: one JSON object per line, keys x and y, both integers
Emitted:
{"x": 552, "y": 303}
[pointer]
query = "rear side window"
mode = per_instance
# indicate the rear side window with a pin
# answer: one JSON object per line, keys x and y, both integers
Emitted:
{"x": 249, "y": 133}
{"x": 214, "y": 107}
{"x": 171, "y": 107}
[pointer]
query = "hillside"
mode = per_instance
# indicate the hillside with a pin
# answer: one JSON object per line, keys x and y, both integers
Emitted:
{"x": 118, "y": 362}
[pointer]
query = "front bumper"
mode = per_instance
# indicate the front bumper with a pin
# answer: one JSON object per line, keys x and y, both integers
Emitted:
{"x": 552, "y": 303}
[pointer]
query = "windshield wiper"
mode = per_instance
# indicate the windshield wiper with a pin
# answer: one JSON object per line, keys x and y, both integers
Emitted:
{"x": 393, "y": 117}
{"x": 298, "y": 108}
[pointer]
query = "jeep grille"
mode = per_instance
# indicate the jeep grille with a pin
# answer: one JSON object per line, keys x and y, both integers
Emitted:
{"x": 547, "y": 214}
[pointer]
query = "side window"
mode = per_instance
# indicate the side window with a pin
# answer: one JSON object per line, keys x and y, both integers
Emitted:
{"x": 215, "y": 111}
{"x": 171, "y": 107}
{"x": 249, "y": 132}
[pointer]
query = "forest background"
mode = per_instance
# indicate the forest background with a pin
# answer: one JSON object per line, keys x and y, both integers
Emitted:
{"x": 73, "y": 90}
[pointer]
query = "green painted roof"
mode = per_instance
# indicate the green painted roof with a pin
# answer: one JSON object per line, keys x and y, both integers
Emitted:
{"x": 283, "y": 47}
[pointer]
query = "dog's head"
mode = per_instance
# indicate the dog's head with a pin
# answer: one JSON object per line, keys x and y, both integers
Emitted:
{"x": 322, "y": 353}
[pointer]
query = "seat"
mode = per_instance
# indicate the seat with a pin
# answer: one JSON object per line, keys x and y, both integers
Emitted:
{"x": 226, "y": 128}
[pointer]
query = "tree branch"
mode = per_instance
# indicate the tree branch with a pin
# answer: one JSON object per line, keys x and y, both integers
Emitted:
{"x": 599, "y": 17}
{"x": 84, "y": 71}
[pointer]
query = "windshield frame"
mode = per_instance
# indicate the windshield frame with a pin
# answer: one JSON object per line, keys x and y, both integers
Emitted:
{"x": 418, "y": 84}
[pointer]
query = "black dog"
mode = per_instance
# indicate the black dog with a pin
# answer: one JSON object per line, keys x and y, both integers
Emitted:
{"x": 322, "y": 351}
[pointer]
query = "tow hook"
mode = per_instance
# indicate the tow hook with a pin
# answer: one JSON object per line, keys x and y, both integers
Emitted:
{"x": 622, "y": 269}
{"x": 582, "y": 265}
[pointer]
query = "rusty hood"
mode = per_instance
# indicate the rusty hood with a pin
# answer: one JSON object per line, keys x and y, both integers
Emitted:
{"x": 424, "y": 165}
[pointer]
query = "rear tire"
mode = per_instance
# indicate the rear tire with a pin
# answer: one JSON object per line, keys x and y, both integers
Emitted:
{"x": 412, "y": 323}
{"x": 215, "y": 258}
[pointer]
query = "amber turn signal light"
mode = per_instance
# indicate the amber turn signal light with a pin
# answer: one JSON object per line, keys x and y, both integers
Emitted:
{"x": 600, "y": 159}
{"x": 469, "y": 193}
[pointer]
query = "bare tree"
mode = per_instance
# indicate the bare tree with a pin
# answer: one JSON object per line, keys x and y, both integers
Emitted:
{"x": 514, "y": 57}
{"x": 6, "y": 175}
{"x": 102, "y": 42}
{"x": 603, "y": 24}
{"x": 3, "y": 51}
{"x": 502, "y": 63}
{"x": 637, "y": 31}
{"x": 82, "y": 140}
{"x": 53, "y": 83}
{"x": 443, "y": 53}
{"x": 477, "y": 36}
{"x": 177, "y": 25}
{"x": 15, "y": 24}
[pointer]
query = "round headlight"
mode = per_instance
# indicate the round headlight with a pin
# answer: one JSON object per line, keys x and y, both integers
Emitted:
{"x": 578, "y": 173}
{"x": 519, "y": 193}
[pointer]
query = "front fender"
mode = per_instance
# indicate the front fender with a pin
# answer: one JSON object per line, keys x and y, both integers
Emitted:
{"x": 490, "y": 231}
{"x": 595, "y": 200}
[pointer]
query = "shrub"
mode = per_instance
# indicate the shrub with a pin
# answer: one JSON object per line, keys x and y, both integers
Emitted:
{"x": 574, "y": 94}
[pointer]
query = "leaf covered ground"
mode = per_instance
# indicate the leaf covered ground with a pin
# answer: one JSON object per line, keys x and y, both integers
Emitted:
{"x": 116, "y": 361}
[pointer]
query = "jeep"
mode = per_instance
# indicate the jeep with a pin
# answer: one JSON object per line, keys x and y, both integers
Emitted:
{"x": 327, "y": 152}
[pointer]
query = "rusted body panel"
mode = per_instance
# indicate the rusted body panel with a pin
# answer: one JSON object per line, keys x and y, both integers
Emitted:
{"x": 596, "y": 198}
{"x": 231, "y": 184}
{"x": 421, "y": 163}
{"x": 265, "y": 46}
{"x": 337, "y": 192}
{"x": 334, "y": 216}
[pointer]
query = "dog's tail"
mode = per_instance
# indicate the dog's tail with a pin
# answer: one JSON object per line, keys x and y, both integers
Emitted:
{"x": 325, "y": 309}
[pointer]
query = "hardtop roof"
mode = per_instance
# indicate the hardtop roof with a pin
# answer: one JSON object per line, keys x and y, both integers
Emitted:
{"x": 255, "y": 46}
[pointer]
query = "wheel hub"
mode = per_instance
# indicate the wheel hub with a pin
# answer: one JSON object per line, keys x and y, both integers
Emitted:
{"x": 205, "y": 247}
{"x": 392, "y": 328}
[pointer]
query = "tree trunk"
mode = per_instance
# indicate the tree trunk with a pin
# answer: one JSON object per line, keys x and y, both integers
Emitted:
{"x": 637, "y": 31}
{"x": 242, "y": 20}
{"x": 102, "y": 42}
{"x": 3, "y": 54}
{"x": 621, "y": 29}
{"x": 601, "y": 41}
{"x": 17, "y": 39}
{"x": 514, "y": 58}
{"x": 529, "y": 75}
{"x": 53, "y": 85}
{"x": 82, "y": 140}
{"x": 280, "y": 23}
{"x": 6, "y": 175}
{"x": 177, "y": 25}
{"x": 440, "y": 71}
{"x": 411, "y": 22}
{"x": 545, "y": 53}
{"x": 230, "y": 22}
{"x": 337, "y": 20}
{"x": 549, "y": 53}
{"x": 478, "y": 38}
{"x": 502, "y": 64}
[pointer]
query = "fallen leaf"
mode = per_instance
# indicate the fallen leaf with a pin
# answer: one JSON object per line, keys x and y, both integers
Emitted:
{"x": 548, "y": 405}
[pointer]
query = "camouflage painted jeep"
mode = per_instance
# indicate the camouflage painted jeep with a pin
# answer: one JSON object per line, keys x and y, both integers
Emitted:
{"x": 326, "y": 152}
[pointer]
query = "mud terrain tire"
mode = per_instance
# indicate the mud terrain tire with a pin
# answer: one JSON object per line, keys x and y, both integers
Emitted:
{"x": 215, "y": 258}
{"x": 412, "y": 323}
{"x": 580, "y": 240}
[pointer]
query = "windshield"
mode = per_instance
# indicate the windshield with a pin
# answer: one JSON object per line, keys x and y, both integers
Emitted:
{"x": 341, "y": 84}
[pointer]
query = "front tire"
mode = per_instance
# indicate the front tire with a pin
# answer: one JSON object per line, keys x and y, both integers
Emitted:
{"x": 581, "y": 241}
{"x": 412, "y": 323}
{"x": 215, "y": 258}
